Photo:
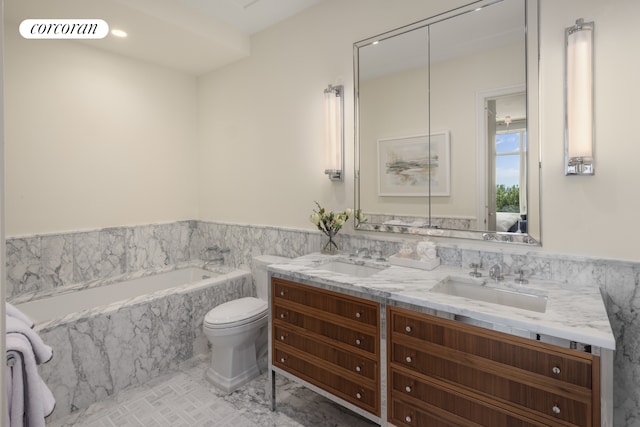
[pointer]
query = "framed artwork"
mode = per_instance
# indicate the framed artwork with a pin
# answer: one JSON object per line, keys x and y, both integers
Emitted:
{"x": 406, "y": 165}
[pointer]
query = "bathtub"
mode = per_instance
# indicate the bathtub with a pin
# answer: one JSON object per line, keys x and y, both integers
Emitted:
{"x": 113, "y": 334}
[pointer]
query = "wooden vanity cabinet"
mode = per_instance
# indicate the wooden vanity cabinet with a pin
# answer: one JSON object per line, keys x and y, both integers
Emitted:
{"x": 328, "y": 339}
{"x": 446, "y": 373}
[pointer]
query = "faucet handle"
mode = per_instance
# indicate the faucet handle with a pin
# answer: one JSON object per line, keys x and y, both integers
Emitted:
{"x": 496, "y": 273}
{"x": 475, "y": 272}
{"x": 520, "y": 279}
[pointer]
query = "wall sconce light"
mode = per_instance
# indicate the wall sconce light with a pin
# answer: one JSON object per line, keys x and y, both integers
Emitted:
{"x": 334, "y": 132}
{"x": 578, "y": 90}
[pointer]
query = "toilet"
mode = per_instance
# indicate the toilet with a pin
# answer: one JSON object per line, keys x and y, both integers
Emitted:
{"x": 237, "y": 331}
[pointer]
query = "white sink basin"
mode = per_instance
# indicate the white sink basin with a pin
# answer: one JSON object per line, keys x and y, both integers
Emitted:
{"x": 350, "y": 269}
{"x": 477, "y": 290}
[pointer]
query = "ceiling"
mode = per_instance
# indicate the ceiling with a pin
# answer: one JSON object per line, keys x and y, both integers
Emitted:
{"x": 194, "y": 36}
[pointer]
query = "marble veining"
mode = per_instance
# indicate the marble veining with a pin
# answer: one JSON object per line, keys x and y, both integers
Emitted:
{"x": 571, "y": 316}
{"x": 618, "y": 280}
{"x": 104, "y": 349}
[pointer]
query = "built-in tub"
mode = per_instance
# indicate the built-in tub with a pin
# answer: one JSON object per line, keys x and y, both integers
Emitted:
{"x": 111, "y": 335}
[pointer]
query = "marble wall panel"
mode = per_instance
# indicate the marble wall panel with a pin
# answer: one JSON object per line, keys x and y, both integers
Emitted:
{"x": 98, "y": 254}
{"x": 97, "y": 356}
{"x": 36, "y": 263}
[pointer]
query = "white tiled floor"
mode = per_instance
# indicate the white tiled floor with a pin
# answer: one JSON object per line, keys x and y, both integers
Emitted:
{"x": 186, "y": 399}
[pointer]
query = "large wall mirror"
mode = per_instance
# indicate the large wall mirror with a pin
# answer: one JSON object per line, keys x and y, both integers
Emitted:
{"x": 447, "y": 125}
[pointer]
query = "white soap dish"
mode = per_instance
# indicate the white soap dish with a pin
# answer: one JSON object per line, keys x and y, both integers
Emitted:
{"x": 414, "y": 262}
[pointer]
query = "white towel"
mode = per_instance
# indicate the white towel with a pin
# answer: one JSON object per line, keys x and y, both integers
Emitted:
{"x": 15, "y": 389}
{"x": 31, "y": 399}
{"x": 42, "y": 352}
{"x": 12, "y": 311}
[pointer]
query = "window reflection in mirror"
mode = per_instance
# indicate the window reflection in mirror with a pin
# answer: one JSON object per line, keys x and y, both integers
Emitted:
{"x": 440, "y": 77}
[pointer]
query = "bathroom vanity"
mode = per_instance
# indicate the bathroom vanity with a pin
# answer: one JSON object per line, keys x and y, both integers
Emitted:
{"x": 401, "y": 346}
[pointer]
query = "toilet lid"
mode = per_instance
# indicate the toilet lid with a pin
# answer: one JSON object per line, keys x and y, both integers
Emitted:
{"x": 240, "y": 311}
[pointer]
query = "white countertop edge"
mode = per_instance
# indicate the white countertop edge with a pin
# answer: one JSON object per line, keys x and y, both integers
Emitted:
{"x": 588, "y": 325}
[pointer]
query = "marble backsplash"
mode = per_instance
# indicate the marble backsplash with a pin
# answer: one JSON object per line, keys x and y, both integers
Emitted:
{"x": 43, "y": 262}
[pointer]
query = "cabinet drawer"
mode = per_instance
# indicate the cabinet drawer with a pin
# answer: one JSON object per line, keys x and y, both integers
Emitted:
{"x": 358, "y": 394}
{"x": 494, "y": 385}
{"x": 446, "y": 408}
{"x": 351, "y": 338}
{"x": 568, "y": 366}
{"x": 359, "y": 365}
{"x": 344, "y": 306}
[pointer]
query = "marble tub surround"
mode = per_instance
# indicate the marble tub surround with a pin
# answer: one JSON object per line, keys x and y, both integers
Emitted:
{"x": 44, "y": 262}
{"x": 60, "y": 290}
{"x": 573, "y": 317}
{"x": 102, "y": 350}
{"x": 618, "y": 280}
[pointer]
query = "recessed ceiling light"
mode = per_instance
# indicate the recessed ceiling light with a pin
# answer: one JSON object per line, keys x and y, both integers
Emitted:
{"x": 119, "y": 33}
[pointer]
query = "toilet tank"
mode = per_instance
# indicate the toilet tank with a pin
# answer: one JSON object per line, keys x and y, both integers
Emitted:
{"x": 261, "y": 275}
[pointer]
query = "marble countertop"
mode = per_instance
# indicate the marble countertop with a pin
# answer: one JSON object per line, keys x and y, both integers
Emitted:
{"x": 571, "y": 314}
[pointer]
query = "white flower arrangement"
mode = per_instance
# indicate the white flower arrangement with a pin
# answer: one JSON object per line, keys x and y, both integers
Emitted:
{"x": 330, "y": 223}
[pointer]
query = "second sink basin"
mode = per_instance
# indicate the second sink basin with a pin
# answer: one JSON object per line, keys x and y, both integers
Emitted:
{"x": 477, "y": 290}
{"x": 350, "y": 269}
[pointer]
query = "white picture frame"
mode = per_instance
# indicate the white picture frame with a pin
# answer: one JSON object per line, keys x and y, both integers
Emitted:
{"x": 408, "y": 165}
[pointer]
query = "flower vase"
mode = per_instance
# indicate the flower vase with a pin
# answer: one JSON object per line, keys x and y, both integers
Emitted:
{"x": 330, "y": 248}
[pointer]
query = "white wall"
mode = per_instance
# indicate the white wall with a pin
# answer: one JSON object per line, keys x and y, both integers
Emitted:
{"x": 260, "y": 128}
{"x": 593, "y": 215}
{"x": 260, "y": 123}
{"x": 94, "y": 139}
{"x": 257, "y": 123}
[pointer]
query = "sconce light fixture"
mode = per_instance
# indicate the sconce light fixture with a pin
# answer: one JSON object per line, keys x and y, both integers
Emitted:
{"x": 578, "y": 91}
{"x": 334, "y": 132}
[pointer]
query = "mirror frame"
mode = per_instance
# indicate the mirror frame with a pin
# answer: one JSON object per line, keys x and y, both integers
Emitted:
{"x": 532, "y": 43}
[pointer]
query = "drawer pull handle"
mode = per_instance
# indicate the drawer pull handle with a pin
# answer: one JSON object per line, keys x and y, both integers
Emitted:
{"x": 358, "y": 342}
{"x": 282, "y": 337}
{"x": 408, "y": 389}
{"x": 358, "y": 369}
{"x": 283, "y": 315}
{"x": 555, "y": 409}
{"x": 408, "y": 418}
{"x": 408, "y": 359}
{"x": 408, "y": 328}
{"x": 555, "y": 370}
{"x": 358, "y": 314}
{"x": 281, "y": 293}
{"x": 283, "y": 359}
{"x": 359, "y": 396}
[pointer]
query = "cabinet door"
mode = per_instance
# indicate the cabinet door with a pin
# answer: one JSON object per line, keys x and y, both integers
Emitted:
{"x": 363, "y": 367}
{"x": 300, "y": 319}
{"x": 329, "y": 340}
{"x": 362, "y": 394}
{"x": 446, "y": 408}
{"x": 558, "y": 364}
{"x": 539, "y": 382}
{"x": 347, "y": 308}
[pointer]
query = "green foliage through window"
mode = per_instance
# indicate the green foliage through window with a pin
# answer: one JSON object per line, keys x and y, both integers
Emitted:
{"x": 507, "y": 198}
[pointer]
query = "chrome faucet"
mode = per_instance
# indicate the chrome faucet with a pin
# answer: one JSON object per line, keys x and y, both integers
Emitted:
{"x": 495, "y": 272}
{"x": 364, "y": 251}
{"x": 475, "y": 272}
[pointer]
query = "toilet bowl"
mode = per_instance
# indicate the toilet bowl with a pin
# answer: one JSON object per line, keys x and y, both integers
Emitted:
{"x": 237, "y": 331}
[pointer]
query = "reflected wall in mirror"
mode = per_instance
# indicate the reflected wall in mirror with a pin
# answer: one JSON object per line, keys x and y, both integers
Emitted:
{"x": 468, "y": 74}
